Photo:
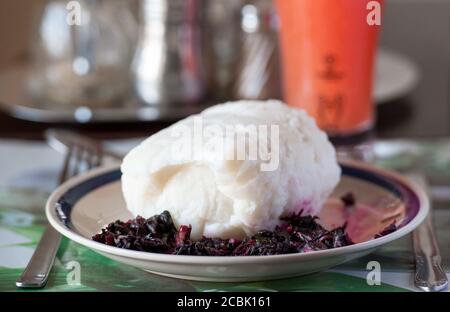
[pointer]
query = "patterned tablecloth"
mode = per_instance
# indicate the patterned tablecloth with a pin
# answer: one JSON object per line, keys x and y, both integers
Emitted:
{"x": 22, "y": 221}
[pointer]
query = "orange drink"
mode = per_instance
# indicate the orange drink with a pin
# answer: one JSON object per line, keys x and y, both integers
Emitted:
{"x": 328, "y": 49}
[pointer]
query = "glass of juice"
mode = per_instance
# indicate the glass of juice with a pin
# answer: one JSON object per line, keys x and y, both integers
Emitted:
{"x": 328, "y": 51}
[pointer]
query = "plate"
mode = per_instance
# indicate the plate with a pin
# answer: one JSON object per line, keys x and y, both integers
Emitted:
{"x": 79, "y": 208}
{"x": 395, "y": 76}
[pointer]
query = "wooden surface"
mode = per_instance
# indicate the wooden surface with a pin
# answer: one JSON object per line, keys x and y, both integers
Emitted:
{"x": 419, "y": 29}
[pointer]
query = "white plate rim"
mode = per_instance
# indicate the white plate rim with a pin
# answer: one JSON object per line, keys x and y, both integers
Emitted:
{"x": 54, "y": 220}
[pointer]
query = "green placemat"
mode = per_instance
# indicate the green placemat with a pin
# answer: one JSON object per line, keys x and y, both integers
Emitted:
{"x": 77, "y": 268}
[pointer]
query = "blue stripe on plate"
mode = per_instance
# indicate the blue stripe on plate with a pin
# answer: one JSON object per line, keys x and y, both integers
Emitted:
{"x": 374, "y": 178}
{"x": 73, "y": 195}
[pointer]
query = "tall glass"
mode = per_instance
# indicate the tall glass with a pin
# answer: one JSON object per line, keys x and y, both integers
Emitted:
{"x": 328, "y": 49}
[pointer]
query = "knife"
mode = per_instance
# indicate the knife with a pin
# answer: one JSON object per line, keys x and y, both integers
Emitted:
{"x": 429, "y": 275}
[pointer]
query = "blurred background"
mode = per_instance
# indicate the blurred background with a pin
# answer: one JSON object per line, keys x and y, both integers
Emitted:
{"x": 130, "y": 68}
{"x": 208, "y": 51}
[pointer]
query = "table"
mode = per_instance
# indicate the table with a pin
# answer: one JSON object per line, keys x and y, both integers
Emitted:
{"x": 22, "y": 222}
{"x": 416, "y": 28}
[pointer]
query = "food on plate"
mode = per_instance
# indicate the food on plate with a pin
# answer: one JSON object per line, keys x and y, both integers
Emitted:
{"x": 196, "y": 170}
{"x": 158, "y": 234}
{"x": 239, "y": 179}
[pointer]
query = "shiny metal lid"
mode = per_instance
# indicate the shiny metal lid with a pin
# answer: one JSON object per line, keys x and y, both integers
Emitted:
{"x": 171, "y": 11}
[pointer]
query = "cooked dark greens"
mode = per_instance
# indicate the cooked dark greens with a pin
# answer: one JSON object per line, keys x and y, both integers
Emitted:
{"x": 158, "y": 234}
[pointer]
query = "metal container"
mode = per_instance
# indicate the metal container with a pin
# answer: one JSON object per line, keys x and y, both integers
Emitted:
{"x": 222, "y": 35}
{"x": 84, "y": 62}
{"x": 257, "y": 75}
{"x": 168, "y": 68}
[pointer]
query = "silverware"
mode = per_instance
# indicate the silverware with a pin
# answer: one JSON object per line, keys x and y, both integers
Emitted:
{"x": 80, "y": 156}
{"x": 429, "y": 275}
{"x": 62, "y": 140}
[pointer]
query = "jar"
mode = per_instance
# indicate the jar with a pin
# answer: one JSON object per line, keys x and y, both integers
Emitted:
{"x": 168, "y": 67}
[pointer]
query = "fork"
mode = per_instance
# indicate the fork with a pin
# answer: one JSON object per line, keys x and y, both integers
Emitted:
{"x": 429, "y": 275}
{"x": 79, "y": 157}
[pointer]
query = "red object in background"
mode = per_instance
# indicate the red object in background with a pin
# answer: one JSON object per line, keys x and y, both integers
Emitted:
{"x": 328, "y": 50}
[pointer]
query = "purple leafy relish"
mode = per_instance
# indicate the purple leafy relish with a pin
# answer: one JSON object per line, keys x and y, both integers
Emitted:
{"x": 348, "y": 199}
{"x": 387, "y": 230}
{"x": 158, "y": 234}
